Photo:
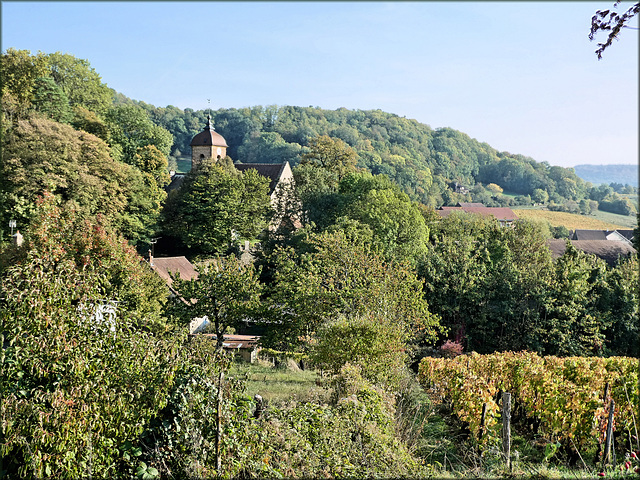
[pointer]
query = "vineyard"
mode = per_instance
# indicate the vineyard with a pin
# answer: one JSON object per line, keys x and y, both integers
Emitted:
{"x": 564, "y": 402}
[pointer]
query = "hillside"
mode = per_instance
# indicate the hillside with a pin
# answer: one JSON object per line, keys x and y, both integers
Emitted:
{"x": 426, "y": 163}
{"x": 606, "y": 174}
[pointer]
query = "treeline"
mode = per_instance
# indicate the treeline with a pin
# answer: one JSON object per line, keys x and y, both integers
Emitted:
{"x": 426, "y": 163}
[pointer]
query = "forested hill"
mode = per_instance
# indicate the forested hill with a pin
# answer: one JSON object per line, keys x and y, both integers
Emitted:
{"x": 607, "y": 174}
{"x": 425, "y": 162}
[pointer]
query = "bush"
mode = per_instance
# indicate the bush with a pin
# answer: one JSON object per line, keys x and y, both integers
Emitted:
{"x": 375, "y": 344}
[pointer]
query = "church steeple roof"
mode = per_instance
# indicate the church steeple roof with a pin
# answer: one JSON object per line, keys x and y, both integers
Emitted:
{"x": 208, "y": 137}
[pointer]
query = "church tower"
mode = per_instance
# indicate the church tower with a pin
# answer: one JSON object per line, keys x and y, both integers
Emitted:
{"x": 207, "y": 144}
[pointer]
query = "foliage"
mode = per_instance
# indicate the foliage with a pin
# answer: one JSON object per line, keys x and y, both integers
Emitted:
{"x": 363, "y": 204}
{"x": 333, "y": 276}
{"x": 75, "y": 383}
{"x": 332, "y": 154}
{"x": 150, "y": 160}
{"x": 39, "y": 154}
{"x": 79, "y": 81}
{"x": 486, "y": 281}
{"x": 20, "y": 71}
{"x": 573, "y": 324}
{"x": 355, "y": 437}
{"x": 372, "y": 342}
{"x": 130, "y": 128}
{"x": 51, "y": 101}
{"x": 216, "y": 205}
{"x": 563, "y": 395}
{"x": 613, "y": 25}
{"x": 226, "y": 291}
{"x": 615, "y": 204}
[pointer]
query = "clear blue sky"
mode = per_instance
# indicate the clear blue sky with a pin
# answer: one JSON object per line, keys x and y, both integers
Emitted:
{"x": 521, "y": 76}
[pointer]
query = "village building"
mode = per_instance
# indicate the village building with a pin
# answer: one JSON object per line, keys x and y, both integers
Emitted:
{"x": 609, "y": 251}
{"x": 504, "y": 215}
{"x": 209, "y": 144}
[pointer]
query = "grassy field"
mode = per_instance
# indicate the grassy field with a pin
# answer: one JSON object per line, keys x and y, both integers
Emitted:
{"x": 598, "y": 221}
{"x": 276, "y": 385}
{"x": 434, "y": 435}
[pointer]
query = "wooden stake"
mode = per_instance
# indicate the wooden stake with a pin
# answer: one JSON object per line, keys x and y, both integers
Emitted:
{"x": 219, "y": 424}
{"x": 482, "y": 420}
{"x": 607, "y": 445}
{"x": 506, "y": 427}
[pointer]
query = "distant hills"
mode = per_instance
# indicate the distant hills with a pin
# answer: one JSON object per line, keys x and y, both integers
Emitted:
{"x": 597, "y": 174}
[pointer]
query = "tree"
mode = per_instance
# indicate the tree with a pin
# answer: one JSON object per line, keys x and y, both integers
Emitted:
{"x": 152, "y": 161}
{"x": 331, "y": 154}
{"x": 487, "y": 282}
{"x": 75, "y": 166}
{"x": 20, "y": 70}
{"x": 80, "y": 82}
{"x": 131, "y": 128}
{"x": 226, "y": 291}
{"x": 80, "y": 373}
{"x": 51, "y": 101}
{"x": 214, "y": 204}
{"x": 398, "y": 227}
{"x": 495, "y": 189}
{"x": 614, "y": 25}
{"x": 374, "y": 343}
{"x": 573, "y": 325}
{"x": 540, "y": 196}
{"x": 336, "y": 276}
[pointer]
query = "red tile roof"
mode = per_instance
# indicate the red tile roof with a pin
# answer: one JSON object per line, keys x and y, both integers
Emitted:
{"x": 163, "y": 265}
{"x": 500, "y": 213}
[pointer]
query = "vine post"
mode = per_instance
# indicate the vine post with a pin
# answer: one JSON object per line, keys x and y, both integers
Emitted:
{"x": 506, "y": 427}
{"x": 609, "y": 438}
{"x": 219, "y": 423}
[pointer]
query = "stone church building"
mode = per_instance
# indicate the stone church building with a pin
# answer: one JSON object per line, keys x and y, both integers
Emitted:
{"x": 210, "y": 144}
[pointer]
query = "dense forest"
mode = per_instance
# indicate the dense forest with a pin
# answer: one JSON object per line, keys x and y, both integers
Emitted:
{"x": 426, "y": 163}
{"x": 353, "y": 272}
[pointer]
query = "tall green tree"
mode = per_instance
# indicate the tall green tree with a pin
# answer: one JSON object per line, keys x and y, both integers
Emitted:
{"x": 331, "y": 154}
{"x": 80, "y": 82}
{"x": 130, "y": 128}
{"x": 226, "y": 291}
{"x": 337, "y": 276}
{"x": 20, "y": 70}
{"x": 217, "y": 205}
{"x": 573, "y": 324}
{"x": 51, "y": 101}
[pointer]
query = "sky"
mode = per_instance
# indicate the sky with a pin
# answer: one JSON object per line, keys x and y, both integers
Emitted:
{"x": 520, "y": 76}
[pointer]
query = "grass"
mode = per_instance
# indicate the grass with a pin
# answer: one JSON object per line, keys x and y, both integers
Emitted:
{"x": 281, "y": 384}
{"x": 425, "y": 425}
{"x": 598, "y": 221}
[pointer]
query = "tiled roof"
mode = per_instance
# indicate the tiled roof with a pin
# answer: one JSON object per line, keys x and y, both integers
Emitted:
{"x": 467, "y": 205}
{"x": 208, "y": 137}
{"x": 273, "y": 171}
{"x": 500, "y": 213}
{"x": 163, "y": 265}
{"x": 605, "y": 249}
{"x": 589, "y": 235}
